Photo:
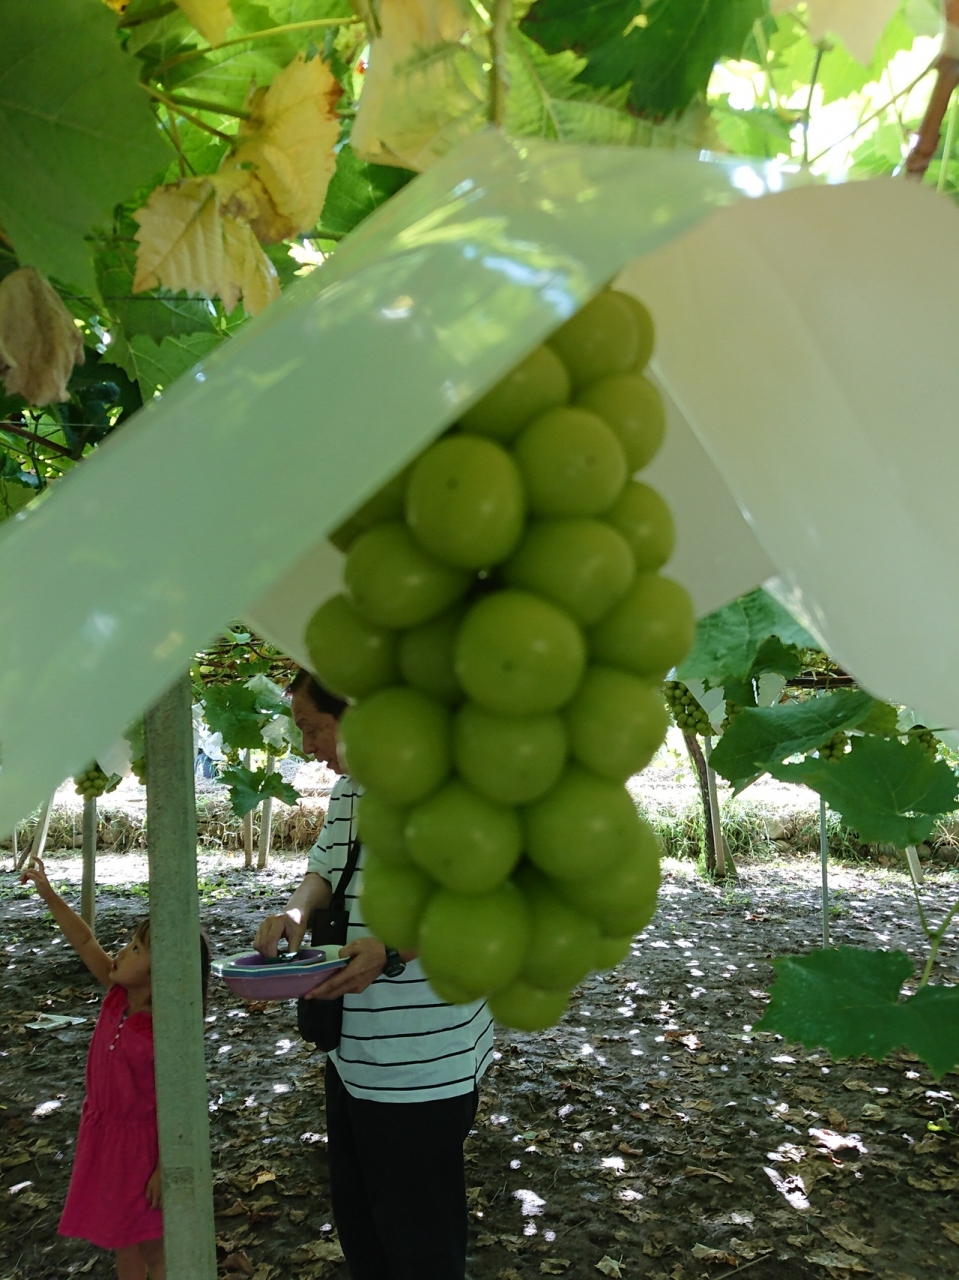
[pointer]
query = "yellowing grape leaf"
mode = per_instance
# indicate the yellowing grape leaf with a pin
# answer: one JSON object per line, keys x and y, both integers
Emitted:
{"x": 288, "y": 143}
{"x": 187, "y": 241}
{"x": 212, "y": 18}
{"x": 39, "y": 342}
{"x": 857, "y": 23}
{"x": 425, "y": 87}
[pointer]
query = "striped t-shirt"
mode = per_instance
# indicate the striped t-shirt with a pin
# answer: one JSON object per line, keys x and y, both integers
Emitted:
{"x": 400, "y": 1042}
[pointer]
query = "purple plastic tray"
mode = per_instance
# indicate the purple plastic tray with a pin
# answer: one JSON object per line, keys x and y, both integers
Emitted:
{"x": 251, "y": 976}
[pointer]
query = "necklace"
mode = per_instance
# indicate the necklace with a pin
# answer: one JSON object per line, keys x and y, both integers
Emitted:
{"x": 123, "y": 1018}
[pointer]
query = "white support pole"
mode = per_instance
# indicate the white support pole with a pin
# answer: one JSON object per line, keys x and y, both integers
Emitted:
{"x": 719, "y": 848}
{"x": 182, "y": 1110}
{"x": 88, "y": 882}
{"x": 824, "y": 865}
{"x": 266, "y": 820}
{"x": 246, "y": 822}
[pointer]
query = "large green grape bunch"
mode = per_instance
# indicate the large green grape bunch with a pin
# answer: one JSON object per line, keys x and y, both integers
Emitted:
{"x": 687, "y": 711}
{"x": 503, "y": 633}
{"x": 93, "y": 782}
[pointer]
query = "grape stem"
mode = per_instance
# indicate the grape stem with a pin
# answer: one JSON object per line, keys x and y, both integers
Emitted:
{"x": 498, "y": 32}
{"x": 935, "y": 936}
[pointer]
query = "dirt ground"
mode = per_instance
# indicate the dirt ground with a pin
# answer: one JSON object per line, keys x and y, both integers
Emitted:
{"x": 652, "y": 1134}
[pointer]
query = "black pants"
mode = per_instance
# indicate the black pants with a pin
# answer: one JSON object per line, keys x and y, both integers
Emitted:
{"x": 398, "y": 1184}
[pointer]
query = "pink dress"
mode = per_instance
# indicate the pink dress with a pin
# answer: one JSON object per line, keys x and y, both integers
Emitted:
{"x": 117, "y": 1148}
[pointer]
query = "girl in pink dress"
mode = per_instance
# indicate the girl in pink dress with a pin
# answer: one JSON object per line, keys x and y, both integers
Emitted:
{"x": 114, "y": 1195}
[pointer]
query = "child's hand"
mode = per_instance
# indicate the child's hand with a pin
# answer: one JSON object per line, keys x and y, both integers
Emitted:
{"x": 36, "y": 873}
{"x": 153, "y": 1189}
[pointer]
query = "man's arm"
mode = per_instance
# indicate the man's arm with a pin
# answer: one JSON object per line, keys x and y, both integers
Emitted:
{"x": 292, "y": 922}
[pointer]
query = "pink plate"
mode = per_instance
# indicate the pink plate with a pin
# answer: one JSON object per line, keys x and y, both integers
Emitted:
{"x": 250, "y": 975}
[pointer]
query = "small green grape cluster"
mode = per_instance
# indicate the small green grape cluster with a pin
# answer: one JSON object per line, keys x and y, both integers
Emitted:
{"x": 732, "y": 711}
{"x": 138, "y": 768}
{"x": 835, "y": 747}
{"x": 926, "y": 739}
{"x": 93, "y": 782}
{"x": 504, "y": 632}
{"x": 687, "y": 711}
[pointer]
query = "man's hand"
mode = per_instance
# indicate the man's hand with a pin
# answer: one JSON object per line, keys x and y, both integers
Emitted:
{"x": 290, "y": 924}
{"x": 367, "y": 957}
{"x": 153, "y": 1190}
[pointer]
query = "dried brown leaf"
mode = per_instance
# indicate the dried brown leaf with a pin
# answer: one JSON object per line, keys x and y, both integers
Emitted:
{"x": 951, "y": 1231}
{"x": 212, "y": 18}
{"x": 839, "y": 1234}
{"x": 39, "y": 342}
{"x": 610, "y": 1267}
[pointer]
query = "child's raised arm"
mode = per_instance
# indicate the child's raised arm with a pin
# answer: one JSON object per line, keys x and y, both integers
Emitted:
{"x": 76, "y": 931}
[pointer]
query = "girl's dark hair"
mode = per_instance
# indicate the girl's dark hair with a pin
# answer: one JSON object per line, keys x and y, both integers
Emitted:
{"x": 305, "y": 682}
{"x": 142, "y": 934}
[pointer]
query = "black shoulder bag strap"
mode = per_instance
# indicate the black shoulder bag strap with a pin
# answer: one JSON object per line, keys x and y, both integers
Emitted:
{"x": 329, "y": 924}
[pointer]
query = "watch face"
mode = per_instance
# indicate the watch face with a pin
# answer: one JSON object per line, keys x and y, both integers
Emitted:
{"x": 394, "y": 965}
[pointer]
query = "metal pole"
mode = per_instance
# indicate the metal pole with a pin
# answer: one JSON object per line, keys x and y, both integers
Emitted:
{"x": 88, "y": 883}
{"x": 824, "y": 863}
{"x": 183, "y": 1117}
{"x": 718, "y": 845}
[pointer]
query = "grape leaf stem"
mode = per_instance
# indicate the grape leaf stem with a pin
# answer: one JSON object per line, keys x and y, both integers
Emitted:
{"x": 874, "y": 115}
{"x": 807, "y": 113}
{"x": 191, "y": 54}
{"x": 498, "y": 32}
{"x": 935, "y": 936}
{"x": 187, "y": 115}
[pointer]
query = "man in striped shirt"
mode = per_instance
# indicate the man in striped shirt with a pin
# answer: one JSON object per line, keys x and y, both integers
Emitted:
{"x": 401, "y": 1088}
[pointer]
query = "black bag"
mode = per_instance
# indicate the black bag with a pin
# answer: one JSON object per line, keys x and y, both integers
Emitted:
{"x": 320, "y": 1021}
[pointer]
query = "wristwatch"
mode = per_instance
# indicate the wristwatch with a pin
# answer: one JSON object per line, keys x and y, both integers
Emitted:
{"x": 394, "y": 965}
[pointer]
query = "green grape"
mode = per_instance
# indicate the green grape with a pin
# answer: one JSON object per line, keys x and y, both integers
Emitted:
{"x": 650, "y": 631}
{"x": 616, "y": 723}
{"x": 689, "y": 714}
{"x": 350, "y": 655}
{"x": 835, "y": 747}
{"x": 583, "y": 566}
{"x": 571, "y": 464}
{"x": 582, "y": 828}
{"x": 527, "y": 1008}
{"x": 392, "y": 582}
{"x": 510, "y": 759}
{"x": 382, "y": 828}
{"x": 474, "y": 941}
{"x": 465, "y": 503}
{"x": 466, "y": 842}
{"x": 732, "y": 711}
{"x": 645, "y": 521}
{"x": 644, "y": 326}
{"x": 633, "y": 407}
{"x": 625, "y": 891}
{"x": 453, "y": 992}
{"x": 92, "y": 782}
{"x": 517, "y": 655}
{"x": 396, "y": 743}
{"x": 563, "y": 940}
{"x": 386, "y": 504}
{"x": 601, "y": 339}
{"x": 138, "y": 768}
{"x": 926, "y": 739}
{"x": 426, "y": 656}
{"x": 611, "y": 951}
{"x": 393, "y": 901}
{"x": 536, "y": 384}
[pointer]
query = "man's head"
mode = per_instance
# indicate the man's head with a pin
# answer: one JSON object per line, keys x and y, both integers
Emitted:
{"x": 316, "y": 713}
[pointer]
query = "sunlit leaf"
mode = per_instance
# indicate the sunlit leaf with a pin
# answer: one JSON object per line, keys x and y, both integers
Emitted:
{"x": 288, "y": 141}
{"x": 212, "y": 18}
{"x": 77, "y": 134}
{"x": 857, "y": 23}
{"x": 888, "y": 791}
{"x": 425, "y": 86}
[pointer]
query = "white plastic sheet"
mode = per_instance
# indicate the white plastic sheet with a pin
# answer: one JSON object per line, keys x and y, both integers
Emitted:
{"x": 111, "y": 583}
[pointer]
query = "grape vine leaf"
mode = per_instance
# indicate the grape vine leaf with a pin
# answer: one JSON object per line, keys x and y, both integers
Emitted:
{"x": 888, "y": 791}
{"x": 729, "y": 640}
{"x": 233, "y": 710}
{"x": 356, "y": 189}
{"x": 857, "y": 23}
{"x": 760, "y": 738}
{"x": 212, "y": 18}
{"x": 666, "y": 58}
{"x": 847, "y": 1000}
{"x": 157, "y": 365}
{"x": 249, "y": 786}
{"x": 77, "y": 134}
